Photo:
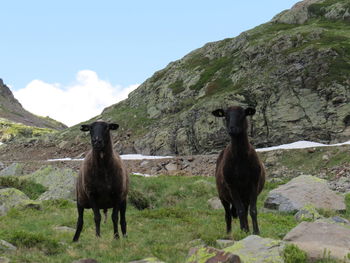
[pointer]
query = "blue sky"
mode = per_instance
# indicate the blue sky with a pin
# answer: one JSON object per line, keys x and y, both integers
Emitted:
{"x": 58, "y": 44}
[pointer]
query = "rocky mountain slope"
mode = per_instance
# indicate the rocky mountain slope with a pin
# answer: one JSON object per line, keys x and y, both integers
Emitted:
{"x": 15, "y": 121}
{"x": 294, "y": 69}
{"x": 12, "y": 110}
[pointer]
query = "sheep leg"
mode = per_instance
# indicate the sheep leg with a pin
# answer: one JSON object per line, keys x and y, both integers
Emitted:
{"x": 115, "y": 221}
{"x": 241, "y": 212}
{"x": 105, "y": 213}
{"x": 97, "y": 218}
{"x": 228, "y": 216}
{"x": 80, "y": 223}
{"x": 122, "y": 218}
{"x": 254, "y": 212}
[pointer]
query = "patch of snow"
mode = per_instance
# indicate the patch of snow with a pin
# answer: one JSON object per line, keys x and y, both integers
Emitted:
{"x": 300, "y": 145}
{"x": 124, "y": 157}
{"x": 142, "y": 157}
{"x": 144, "y": 175}
{"x": 63, "y": 160}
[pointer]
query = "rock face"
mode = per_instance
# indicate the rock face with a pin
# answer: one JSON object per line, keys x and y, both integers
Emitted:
{"x": 304, "y": 190}
{"x": 295, "y": 73}
{"x": 317, "y": 237}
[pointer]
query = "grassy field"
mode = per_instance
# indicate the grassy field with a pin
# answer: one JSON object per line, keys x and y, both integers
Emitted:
{"x": 177, "y": 214}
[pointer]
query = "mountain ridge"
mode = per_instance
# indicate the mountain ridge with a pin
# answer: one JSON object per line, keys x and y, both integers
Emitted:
{"x": 294, "y": 69}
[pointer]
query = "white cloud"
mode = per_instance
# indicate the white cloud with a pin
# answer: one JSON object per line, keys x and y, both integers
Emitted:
{"x": 74, "y": 103}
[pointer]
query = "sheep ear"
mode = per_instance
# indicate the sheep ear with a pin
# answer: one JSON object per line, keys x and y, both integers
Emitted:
{"x": 85, "y": 127}
{"x": 219, "y": 113}
{"x": 250, "y": 111}
{"x": 113, "y": 126}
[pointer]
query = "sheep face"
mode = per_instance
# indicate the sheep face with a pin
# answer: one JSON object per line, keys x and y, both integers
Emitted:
{"x": 99, "y": 132}
{"x": 235, "y": 119}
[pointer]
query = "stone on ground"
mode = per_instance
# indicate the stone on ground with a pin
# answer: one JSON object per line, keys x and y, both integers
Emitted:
{"x": 304, "y": 190}
{"x": 11, "y": 197}
{"x": 60, "y": 182}
{"x": 255, "y": 249}
{"x": 15, "y": 169}
{"x": 319, "y": 237}
{"x": 212, "y": 255}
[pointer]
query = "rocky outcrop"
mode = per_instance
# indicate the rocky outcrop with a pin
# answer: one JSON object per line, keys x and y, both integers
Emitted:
{"x": 321, "y": 239}
{"x": 304, "y": 190}
{"x": 295, "y": 73}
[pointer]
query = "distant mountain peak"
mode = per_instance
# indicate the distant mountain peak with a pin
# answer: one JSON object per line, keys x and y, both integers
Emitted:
{"x": 12, "y": 110}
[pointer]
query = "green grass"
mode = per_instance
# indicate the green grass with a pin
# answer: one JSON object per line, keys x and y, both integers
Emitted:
{"x": 303, "y": 160}
{"x": 177, "y": 87}
{"x": 178, "y": 208}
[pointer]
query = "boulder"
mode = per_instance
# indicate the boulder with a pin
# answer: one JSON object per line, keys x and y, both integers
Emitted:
{"x": 60, "y": 182}
{"x": 215, "y": 203}
{"x": 4, "y": 260}
{"x": 15, "y": 169}
{"x": 4, "y": 245}
{"x": 304, "y": 190}
{"x": 212, "y": 255}
{"x": 321, "y": 238}
{"x": 224, "y": 243}
{"x": 9, "y": 198}
{"x": 255, "y": 249}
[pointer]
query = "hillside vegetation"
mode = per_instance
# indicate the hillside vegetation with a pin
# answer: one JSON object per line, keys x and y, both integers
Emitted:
{"x": 294, "y": 69}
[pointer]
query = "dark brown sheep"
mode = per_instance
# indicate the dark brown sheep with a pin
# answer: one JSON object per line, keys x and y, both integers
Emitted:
{"x": 102, "y": 181}
{"x": 240, "y": 176}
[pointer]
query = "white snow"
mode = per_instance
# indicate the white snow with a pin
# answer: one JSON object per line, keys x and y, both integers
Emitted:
{"x": 123, "y": 156}
{"x": 144, "y": 175}
{"x": 299, "y": 145}
{"x": 142, "y": 157}
{"x": 294, "y": 145}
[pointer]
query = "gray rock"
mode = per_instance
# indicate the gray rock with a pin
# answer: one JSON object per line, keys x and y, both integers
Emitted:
{"x": 215, "y": 203}
{"x": 148, "y": 260}
{"x": 307, "y": 213}
{"x": 210, "y": 254}
{"x": 60, "y": 182}
{"x": 316, "y": 237}
{"x": 64, "y": 229}
{"x": 15, "y": 169}
{"x": 4, "y": 245}
{"x": 255, "y": 249}
{"x": 171, "y": 167}
{"x": 4, "y": 260}
{"x": 304, "y": 190}
{"x": 224, "y": 243}
{"x": 11, "y": 197}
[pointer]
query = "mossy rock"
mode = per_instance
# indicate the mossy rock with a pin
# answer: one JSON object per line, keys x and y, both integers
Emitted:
{"x": 11, "y": 197}
{"x": 15, "y": 169}
{"x": 255, "y": 249}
